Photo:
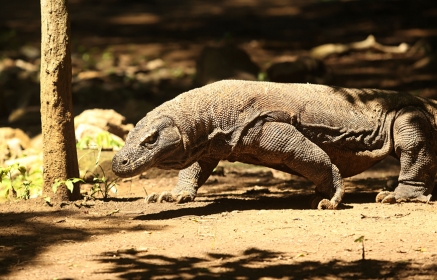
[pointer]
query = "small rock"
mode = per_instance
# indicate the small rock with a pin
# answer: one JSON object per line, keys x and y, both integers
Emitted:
{"x": 302, "y": 70}
{"x": 12, "y": 143}
{"x": 26, "y": 65}
{"x": 155, "y": 64}
{"x": 86, "y": 75}
{"x": 108, "y": 120}
{"x": 36, "y": 142}
{"x": 84, "y": 130}
{"x": 225, "y": 62}
{"x": 31, "y": 52}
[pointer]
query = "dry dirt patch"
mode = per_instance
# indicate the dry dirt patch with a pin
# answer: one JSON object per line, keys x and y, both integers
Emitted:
{"x": 253, "y": 223}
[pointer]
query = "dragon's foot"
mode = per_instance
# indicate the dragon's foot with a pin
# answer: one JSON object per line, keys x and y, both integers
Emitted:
{"x": 318, "y": 202}
{"x": 386, "y": 197}
{"x": 390, "y": 198}
{"x": 326, "y": 204}
{"x": 182, "y": 197}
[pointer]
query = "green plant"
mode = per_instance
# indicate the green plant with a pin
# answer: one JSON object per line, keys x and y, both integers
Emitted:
{"x": 105, "y": 140}
{"x": 69, "y": 183}
{"x": 84, "y": 143}
{"x": 89, "y": 56}
{"x": 102, "y": 185}
{"x": 361, "y": 240}
{"x": 16, "y": 181}
{"x": 102, "y": 141}
{"x": 177, "y": 73}
{"x": 262, "y": 76}
{"x": 107, "y": 55}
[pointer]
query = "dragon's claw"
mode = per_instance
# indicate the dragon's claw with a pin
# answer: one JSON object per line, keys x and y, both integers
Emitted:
{"x": 386, "y": 197}
{"x": 185, "y": 197}
{"x": 152, "y": 198}
{"x": 318, "y": 202}
{"x": 167, "y": 196}
{"x": 390, "y": 198}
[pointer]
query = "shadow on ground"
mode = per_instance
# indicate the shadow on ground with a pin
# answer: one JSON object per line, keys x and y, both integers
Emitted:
{"x": 253, "y": 264}
{"x": 238, "y": 203}
{"x": 26, "y": 235}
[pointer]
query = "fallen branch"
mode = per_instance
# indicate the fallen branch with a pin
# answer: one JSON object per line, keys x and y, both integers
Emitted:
{"x": 323, "y": 51}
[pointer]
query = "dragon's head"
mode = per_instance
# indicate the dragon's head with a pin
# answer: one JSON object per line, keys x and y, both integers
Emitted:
{"x": 154, "y": 142}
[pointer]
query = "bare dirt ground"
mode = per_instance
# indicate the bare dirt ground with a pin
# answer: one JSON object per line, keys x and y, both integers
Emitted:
{"x": 252, "y": 223}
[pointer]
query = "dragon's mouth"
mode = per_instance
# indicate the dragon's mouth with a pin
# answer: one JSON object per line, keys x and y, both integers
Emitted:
{"x": 128, "y": 169}
{"x": 125, "y": 167}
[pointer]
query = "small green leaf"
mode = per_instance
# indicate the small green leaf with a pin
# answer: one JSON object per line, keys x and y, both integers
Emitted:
{"x": 6, "y": 170}
{"x": 97, "y": 180}
{"x": 70, "y": 185}
{"x": 75, "y": 180}
{"x": 56, "y": 185}
{"x": 113, "y": 212}
{"x": 360, "y": 239}
{"x": 2, "y": 173}
{"x": 98, "y": 155}
{"x": 22, "y": 170}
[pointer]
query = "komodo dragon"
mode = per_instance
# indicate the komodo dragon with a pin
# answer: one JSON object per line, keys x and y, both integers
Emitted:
{"x": 320, "y": 132}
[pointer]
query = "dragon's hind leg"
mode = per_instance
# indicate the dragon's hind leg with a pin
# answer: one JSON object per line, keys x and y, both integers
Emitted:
{"x": 412, "y": 136}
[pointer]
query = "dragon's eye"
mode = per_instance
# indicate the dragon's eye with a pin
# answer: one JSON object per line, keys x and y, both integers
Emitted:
{"x": 151, "y": 139}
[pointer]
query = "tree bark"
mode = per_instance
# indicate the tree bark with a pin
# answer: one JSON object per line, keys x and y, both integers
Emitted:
{"x": 57, "y": 119}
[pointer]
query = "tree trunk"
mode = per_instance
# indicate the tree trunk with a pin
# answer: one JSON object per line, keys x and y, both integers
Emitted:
{"x": 57, "y": 119}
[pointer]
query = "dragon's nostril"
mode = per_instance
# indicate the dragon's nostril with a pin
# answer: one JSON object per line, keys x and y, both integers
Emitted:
{"x": 125, "y": 161}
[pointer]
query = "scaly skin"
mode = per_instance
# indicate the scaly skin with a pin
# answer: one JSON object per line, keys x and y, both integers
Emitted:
{"x": 322, "y": 133}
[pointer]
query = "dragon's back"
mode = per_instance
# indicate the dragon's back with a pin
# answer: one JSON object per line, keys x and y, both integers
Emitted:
{"x": 346, "y": 123}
